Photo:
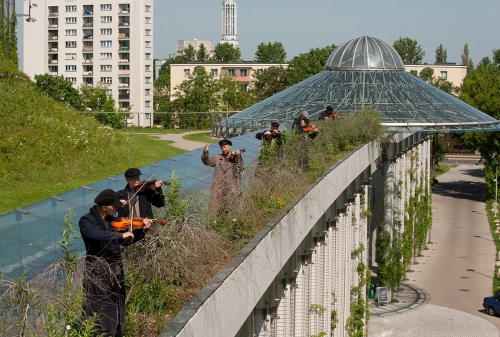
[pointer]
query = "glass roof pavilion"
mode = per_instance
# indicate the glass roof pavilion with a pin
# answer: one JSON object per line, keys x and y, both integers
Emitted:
{"x": 366, "y": 72}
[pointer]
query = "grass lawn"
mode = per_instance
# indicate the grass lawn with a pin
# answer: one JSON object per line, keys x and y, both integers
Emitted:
{"x": 203, "y": 137}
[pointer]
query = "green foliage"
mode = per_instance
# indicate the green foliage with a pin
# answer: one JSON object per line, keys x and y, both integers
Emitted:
{"x": 441, "y": 54}
{"x": 202, "y": 53}
{"x": 308, "y": 64}
{"x": 466, "y": 60}
{"x": 270, "y": 53}
{"x": 269, "y": 82}
{"x": 189, "y": 53}
{"x": 409, "y": 50}
{"x": 60, "y": 90}
{"x": 226, "y": 52}
{"x": 8, "y": 38}
{"x": 427, "y": 74}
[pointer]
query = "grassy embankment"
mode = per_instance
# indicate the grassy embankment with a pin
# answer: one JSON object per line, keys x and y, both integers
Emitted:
{"x": 48, "y": 149}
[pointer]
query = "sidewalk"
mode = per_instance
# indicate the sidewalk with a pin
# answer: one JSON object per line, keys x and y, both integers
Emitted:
{"x": 181, "y": 142}
{"x": 455, "y": 269}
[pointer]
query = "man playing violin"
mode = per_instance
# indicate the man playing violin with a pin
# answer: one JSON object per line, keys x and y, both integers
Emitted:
{"x": 272, "y": 142}
{"x": 104, "y": 276}
{"x": 138, "y": 199}
{"x": 226, "y": 182}
{"x": 328, "y": 114}
{"x": 305, "y": 128}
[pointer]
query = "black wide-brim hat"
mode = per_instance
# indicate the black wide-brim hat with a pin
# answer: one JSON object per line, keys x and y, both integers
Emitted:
{"x": 108, "y": 197}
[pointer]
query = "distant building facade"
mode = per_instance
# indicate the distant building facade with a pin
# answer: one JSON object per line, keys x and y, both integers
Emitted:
{"x": 229, "y": 23}
{"x": 241, "y": 72}
{"x": 92, "y": 42}
{"x": 9, "y": 8}
{"x": 183, "y": 44}
{"x": 447, "y": 71}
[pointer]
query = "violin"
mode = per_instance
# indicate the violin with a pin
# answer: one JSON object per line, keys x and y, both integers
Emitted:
{"x": 233, "y": 154}
{"x": 276, "y": 133}
{"x": 148, "y": 185}
{"x": 122, "y": 224}
{"x": 309, "y": 127}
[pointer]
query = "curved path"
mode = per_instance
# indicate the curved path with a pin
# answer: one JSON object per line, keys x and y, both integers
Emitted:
{"x": 180, "y": 142}
{"x": 443, "y": 296}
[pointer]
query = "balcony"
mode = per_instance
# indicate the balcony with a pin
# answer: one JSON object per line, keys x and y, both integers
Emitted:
{"x": 124, "y": 96}
{"x": 123, "y": 72}
{"x": 88, "y": 24}
{"x": 53, "y": 50}
{"x": 90, "y": 60}
{"x": 87, "y": 73}
{"x": 87, "y": 49}
{"x": 88, "y": 37}
{"x": 52, "y": 37}
{"x": 123, "y": 61}
{"x": 53, "y": 25}
{"x": 123, "y": 36}
{"x": 123, "y": 85}
{"x": 124, "y": 48}
{"x": 53, "y": 14}
{"x": 121, "y": 24}
{"x": 53, "y": 61}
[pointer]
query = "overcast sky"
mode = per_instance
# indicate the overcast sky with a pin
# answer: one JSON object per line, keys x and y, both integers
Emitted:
{"x": 304, "y": 24}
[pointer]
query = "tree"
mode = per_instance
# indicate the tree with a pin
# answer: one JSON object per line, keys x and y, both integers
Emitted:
{"x": 270, "y": 53}
{"x": 441, "y": 54}
{"x": 97, "y": 99}
{"x": 308, "y": 64}
{"x": 202, "y": 53}
{"x": 409, "y": 50}
{"x": 189, "y": 53}
{"x": 8, "y": 38}
{"x": 466, "y": 60}
{"x": 57, "y": 88}
{"x": 496, "y": 57}
{"x": 269, "y": 82}
{"x": 426, "y": 74}
{"x": 197, "y": 93}
{"x": 226, "y": 52}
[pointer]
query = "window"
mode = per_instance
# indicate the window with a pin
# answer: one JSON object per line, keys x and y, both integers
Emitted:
{"x": 106, "y": 7}
{"x": 106, "y": 43}
{"x": 147, "y": 67}
{"x": 148, "y": 8}
{"x": 70, "y": 8}
{"x": 109, "y": 92}
{"x": 70, "y": 32}
{"x": 148, "y": 56}
{"x": 148, "y": 20}
{"x": 70, "y": 44}
{"x": 71, "y": 79}
{"x": 214, "y": 72}
{"x": 106, "y": 67}
{"x": 148, "y": 32}
{"x": 70, "y": 56}
{"x": 106, "y": 56}
{"x": 148, "y": 104}
{"x": 414, "y": 72}
{"x": 107, "y": 80}
{"x": 187, "y": 72}
{"x": 147, "y": 92}
{"x": 106, "y": 19}
{"x": 70, "y": 68}
{"x": 444, "y": 75}
{"x": 71, "y": 20}
{"x": 148, "y": 80}
{"x": 147, "y": 116}
{"x": 106, "y": 31}
{"x": 230, "y": 72}
{"x": 148, "y": 44}
{"x": 124, "y": 67}
{"x": 243, "y": 72}
{"x": 125, "y": 104}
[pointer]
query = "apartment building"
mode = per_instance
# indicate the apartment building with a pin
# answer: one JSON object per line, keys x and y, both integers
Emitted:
{"x": 91, "y": 42}
{"x": 447, "y": 71}
{"x": 241, "y": 72}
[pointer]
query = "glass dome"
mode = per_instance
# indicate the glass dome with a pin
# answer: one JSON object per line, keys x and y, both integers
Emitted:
{"x": 364, "y": 53}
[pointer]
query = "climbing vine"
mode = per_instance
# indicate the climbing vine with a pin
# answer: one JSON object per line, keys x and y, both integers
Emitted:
{"x": 359, "y": 315}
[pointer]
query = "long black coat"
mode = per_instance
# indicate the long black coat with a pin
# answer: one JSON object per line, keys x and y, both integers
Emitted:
{"x": 146, "y": 199}
{"x": 104, "y": 277}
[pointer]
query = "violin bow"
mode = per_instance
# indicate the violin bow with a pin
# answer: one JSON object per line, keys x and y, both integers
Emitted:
{"x": 145, "y": 182}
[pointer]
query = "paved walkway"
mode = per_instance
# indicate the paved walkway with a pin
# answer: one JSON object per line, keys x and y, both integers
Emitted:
{"x": 444, "y": 293}
{"x": 180, "y": 142}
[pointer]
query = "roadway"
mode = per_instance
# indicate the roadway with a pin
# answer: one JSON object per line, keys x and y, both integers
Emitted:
{"x": 445, "y": 289}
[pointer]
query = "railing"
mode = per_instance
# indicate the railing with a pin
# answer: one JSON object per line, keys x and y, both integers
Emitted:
{"x": 124, "y": 96}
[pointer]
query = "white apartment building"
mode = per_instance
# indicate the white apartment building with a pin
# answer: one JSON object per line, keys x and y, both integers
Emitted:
{"x": 447, "y": 71}
{"x": 95, "y": 41}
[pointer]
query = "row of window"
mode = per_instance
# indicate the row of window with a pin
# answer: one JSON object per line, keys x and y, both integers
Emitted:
{"x": 108, "y": 67}
{"x": 104, "y": 43}
{"x": 215, "y": 72}
{"x": 104, "y": 7}
{"x": 104, "y": 19}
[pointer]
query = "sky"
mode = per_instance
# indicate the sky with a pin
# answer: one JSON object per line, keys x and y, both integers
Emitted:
{"x": 301, "y": 25}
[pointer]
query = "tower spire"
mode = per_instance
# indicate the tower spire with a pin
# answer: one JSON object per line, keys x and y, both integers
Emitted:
{"x": 229, "y": 22}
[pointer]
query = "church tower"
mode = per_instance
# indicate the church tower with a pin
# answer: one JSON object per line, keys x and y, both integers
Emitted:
{"x": 229, "y": 23}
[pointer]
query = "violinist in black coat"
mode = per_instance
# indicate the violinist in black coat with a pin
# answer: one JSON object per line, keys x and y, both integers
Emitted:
{"x": 140, "y": 203}
{"x": 104, "y": 277}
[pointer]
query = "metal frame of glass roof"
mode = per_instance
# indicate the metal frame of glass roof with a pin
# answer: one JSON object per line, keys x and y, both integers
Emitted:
{"x": 361, "y": 73}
